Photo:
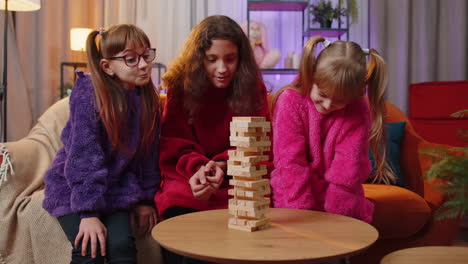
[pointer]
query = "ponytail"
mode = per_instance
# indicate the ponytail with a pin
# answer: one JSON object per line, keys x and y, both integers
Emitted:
{"x": 303, "y": 82}
{"x": 377, "y": 81}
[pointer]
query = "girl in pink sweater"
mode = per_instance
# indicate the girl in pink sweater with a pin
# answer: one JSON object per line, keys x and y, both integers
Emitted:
{"x": 322, "y": 131}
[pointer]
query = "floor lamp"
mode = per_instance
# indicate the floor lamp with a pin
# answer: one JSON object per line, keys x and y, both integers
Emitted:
{"x": 11, "y": 5}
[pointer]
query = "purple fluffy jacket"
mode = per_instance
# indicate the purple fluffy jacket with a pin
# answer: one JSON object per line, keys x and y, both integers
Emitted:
{"x": 87, "y": 176}
{"x": 320, "y": 160}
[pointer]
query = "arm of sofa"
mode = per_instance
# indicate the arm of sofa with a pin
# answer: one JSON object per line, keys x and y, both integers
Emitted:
{"x": 29, "y": 158}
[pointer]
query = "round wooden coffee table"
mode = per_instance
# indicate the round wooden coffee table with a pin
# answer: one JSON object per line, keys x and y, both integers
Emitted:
{"x": 295, "y": 236}
{"x": 423, "y": 255}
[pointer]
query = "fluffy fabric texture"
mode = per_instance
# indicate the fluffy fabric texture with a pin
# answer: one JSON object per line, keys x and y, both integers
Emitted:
{"x": 87, "y": 176}
{"x": 320, "y": 160}
{"x": 185, "y": 147}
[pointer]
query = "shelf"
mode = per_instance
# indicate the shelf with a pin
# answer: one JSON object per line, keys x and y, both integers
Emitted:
{"x": 277, "y": 5}
{"x": 326, "y": 32}
{"x": 279, "y": 71}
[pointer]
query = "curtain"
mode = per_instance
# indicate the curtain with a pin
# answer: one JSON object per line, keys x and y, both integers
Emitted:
{"x": 19, "y": 112}
{"x": 421, "y": 40}
{"x": 41, "y": 45}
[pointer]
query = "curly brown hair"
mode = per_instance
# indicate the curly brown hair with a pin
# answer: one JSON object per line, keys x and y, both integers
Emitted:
{"x": 187, "y": 78}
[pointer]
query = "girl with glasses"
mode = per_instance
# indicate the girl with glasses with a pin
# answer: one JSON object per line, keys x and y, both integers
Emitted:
{"x": 214, "y": 78}
{"x": 103, "y": 180}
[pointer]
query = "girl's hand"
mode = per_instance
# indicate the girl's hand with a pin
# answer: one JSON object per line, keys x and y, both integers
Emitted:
{"x": 206, "y": 181}
{"x": 91, "y": 229}
{"x": 143, "y": 218}
{"x": 200, "y": 186}
{"x": 215, "y": 174}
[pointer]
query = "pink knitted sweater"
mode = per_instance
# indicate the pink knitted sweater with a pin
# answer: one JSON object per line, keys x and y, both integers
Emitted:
{"x": 320, "y": 160}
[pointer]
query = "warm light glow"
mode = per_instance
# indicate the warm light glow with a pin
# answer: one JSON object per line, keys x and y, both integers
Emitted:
{"x": 21, "y": 5}
{"x": 78, "y": 38}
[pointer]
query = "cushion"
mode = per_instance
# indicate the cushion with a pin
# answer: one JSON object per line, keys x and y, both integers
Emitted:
{"x": 395, "y": 132}
{"x": 398, "y": 212}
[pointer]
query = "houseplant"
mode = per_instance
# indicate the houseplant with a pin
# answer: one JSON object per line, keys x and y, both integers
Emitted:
{"x": 450, "y": 167}
{"x": 324, "y": 13}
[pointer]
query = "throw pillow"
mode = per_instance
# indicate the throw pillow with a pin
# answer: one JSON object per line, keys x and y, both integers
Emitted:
{"x": 395, "y": 132}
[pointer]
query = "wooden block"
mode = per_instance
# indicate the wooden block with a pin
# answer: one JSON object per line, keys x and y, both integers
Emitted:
{"x": 242, "y": 228}
{"x": 235, "y": 128}
{"x": 233, "y": 139}
{"x": 252, "y": 211}
{"x": 249, "y": 144}
{"x": 249, "y": 228}
{"x": 246, "y": 155}
{"x": 246, "y": 161}
{"x": 248, "y": 178}
{"x": 248, "y": 134}
{"x": 243, "y": 124}
{"x": 248, "y": 222}
{"x": 258, "y": 194}
{"x": 252, "y": 214}
{"x": 240, "y": 202}
{"x": 248, "y": 119}
{"x": 250, "y": 168}
{"x": 249, "y": 184}
{"x": 247, "y": 174}
{"x": 253, "y": 149}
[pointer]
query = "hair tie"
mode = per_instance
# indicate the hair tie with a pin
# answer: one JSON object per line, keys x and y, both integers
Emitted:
{"x": 326, "y": 43}
{"x": 366, "y": 51}
{"x": 101, "y": 31}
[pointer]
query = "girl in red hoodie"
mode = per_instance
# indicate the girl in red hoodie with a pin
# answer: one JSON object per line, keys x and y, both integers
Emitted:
{"x": 214, "y": 78}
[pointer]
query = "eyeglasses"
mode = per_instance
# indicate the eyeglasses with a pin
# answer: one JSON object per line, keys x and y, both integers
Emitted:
{"x": 132, "y": 58}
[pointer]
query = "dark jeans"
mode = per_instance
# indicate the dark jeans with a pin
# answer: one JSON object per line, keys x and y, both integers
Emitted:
{"x": 120, "y": 242}
{"x": 171, "y": 257}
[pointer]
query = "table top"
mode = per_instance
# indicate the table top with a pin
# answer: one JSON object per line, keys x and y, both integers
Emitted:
{"x": 295, "y": 236}
{"x": 423, "y": 255}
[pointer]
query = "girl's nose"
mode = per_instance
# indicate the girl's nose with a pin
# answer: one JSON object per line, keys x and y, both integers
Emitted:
{"x": 326, "y": 104}
{"x": 221, "y": 67}
{"x": 142, "y": 63}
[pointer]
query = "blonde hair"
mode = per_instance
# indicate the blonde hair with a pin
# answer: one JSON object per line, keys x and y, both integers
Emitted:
{"x": 341, "y": 71}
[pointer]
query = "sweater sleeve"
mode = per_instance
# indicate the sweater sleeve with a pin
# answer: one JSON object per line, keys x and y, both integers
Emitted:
{"x": 291, "y": 179}
{"x": 85, "y": 170}
{"x": 181, "y": 156}
{"x": 350, "y": 167}
{"x": 151, "y": 174}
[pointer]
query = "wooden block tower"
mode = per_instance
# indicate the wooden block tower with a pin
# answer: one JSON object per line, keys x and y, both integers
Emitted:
{"x": 249, "y": 206}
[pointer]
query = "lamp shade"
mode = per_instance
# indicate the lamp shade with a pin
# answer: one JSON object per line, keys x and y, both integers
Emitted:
{"x": 21, "y": 5}
{"x": 78, "y": 38}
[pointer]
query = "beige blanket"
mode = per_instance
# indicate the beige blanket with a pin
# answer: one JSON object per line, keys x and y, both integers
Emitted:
{"x": 28, "y": 234}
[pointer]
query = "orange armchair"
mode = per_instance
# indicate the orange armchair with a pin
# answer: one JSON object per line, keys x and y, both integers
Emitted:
{"x": 405, "y": 217}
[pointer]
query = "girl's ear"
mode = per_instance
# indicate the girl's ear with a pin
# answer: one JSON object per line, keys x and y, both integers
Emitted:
{"x": 106, "y": 67}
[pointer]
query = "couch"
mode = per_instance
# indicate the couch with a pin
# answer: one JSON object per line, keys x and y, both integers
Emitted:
{"x": 403, "y": 216}
{"x": 28, "y": 234}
